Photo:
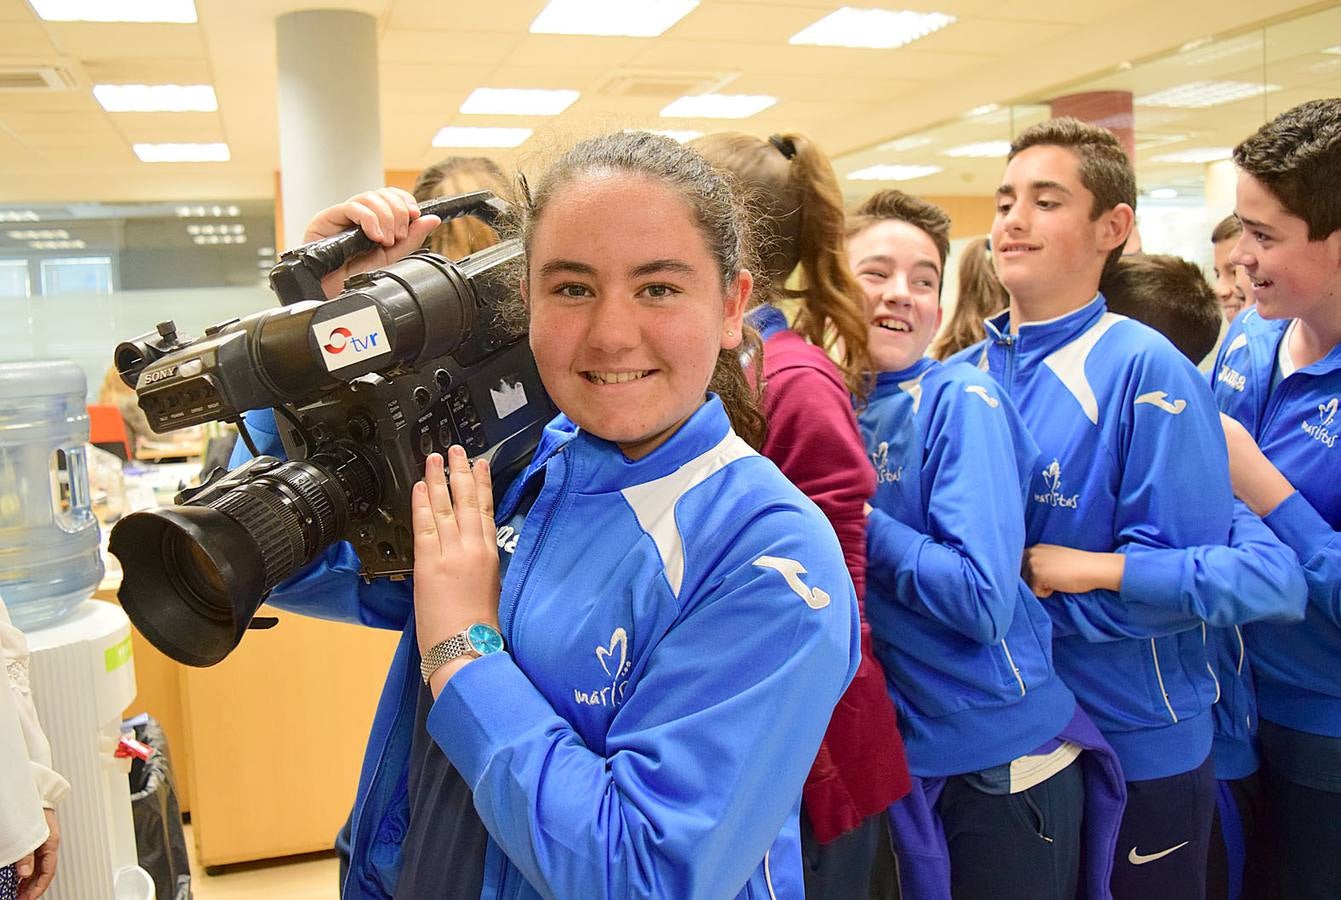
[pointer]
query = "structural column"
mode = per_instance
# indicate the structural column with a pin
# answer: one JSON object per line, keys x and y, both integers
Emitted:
{"x": 330, "y": 134}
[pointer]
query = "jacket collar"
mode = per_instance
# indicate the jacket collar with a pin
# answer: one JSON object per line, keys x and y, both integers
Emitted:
{"x": 1266, "y": 335}
{"x": 599, "y": 466}
{"x": 912, "y": 373}
{"x": 1038, "y": 339}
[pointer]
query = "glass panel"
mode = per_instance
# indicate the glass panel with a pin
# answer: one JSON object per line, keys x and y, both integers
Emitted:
{"x": 13, "y": 278}
{"x": 84, "y": 275}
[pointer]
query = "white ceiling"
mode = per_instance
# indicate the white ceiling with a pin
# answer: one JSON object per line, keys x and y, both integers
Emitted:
{"x": 60, "y": 145}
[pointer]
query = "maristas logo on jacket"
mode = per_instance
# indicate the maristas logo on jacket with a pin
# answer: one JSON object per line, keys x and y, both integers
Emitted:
{"x": 614, "y": 659}
{"x": 1052, "y": 479}
{"x": 1321, "y": 431}
{"x": 880, "y": 459}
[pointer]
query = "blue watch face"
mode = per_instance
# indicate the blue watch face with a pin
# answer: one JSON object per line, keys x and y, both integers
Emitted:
{"x": 484, "y": 638}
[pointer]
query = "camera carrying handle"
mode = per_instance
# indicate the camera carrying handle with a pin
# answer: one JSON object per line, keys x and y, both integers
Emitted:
{"x": 300, "y": 270}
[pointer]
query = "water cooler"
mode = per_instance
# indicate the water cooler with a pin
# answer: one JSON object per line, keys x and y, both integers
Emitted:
{"x": 81, "y": 671}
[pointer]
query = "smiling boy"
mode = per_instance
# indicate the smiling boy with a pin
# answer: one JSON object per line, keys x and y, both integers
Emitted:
{"x": 1131, "y": 461}
{"x": 1279, "y": 377}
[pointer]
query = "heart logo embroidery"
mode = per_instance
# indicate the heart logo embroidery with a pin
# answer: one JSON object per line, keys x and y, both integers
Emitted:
{"x": 618, "y": 650}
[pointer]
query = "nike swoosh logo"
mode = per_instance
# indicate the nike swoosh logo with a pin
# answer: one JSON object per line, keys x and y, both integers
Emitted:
{"x": 981, "y": 391}
{"x": 1137, "y": 859}
{"x": 1158, "y": 399}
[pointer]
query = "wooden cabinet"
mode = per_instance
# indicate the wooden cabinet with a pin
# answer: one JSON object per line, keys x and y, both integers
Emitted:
{"x": 266, "y": 745}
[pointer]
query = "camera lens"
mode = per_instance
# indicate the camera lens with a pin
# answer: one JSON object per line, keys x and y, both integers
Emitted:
{"x": 196, "y": 574}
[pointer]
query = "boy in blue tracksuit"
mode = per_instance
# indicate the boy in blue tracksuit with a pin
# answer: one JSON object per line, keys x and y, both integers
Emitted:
{"x": 1255, "y": 578}
{"x": 1130, "y": 459}
{"x": 966, "y": 648}
{"x": 676, "y": 620}
{"x": 1278, "y": 378}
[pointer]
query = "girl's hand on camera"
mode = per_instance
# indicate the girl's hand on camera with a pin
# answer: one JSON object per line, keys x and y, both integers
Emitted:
{"x": 389, "y": 216}
{"x": 455, "y": 553}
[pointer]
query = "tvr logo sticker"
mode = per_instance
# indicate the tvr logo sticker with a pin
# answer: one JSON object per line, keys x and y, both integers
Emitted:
{"x": 1159, "y": 400}
{"x": 792, "y": 571}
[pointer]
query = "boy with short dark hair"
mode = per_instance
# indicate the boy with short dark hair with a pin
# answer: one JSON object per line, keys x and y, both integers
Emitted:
{"x": 1278, "y": 376}
{"x": 1169, "y": 294}
{"x": 1132, "y": 462}
{"x": 1255, "y": 578}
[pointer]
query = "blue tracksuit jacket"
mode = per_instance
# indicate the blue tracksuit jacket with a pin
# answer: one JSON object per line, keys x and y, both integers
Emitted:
{"x": 1296, "y": 425}
{"x": 1132, "y": 457}
{"x": 679, "y": 628}
{"x": 966, "y": 648}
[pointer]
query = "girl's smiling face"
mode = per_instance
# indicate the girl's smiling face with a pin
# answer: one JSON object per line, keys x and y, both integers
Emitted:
{"x": 627, "y": 307}
{"x": 899, "y": 269}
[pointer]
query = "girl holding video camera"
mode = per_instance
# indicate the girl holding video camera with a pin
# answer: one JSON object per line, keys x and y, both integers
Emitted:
{"x": 632, "y": 660}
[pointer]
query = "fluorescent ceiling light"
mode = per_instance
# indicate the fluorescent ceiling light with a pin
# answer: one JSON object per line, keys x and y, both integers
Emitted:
{"x": 718, "y": 106}
{"x": 893, "y": 173}
{"x": 1163, "y": 194}
{"x": 183, "y": 11}
{"x": 517, "y": 102}
{"x": 1334, "y": 51}
{"x": 453, "y": 136}
{"x": 235, "y": 228}
{"x": 156, "y": 97}
{"x": 982, "y": 110}
{"x": 681, "y": 136}
{"x": 1195, "y": 155}
{"x": 19, "y": 215}
{"x": 202, "y": 211}
{"x": 880, "y": 29}
{"x": 151, "y": 153}
{"x": 44, "y": 234}
{"x": 912, "y": 142}
{"x": 1201, "y": 94}
{"x": 56, "y": 245}
{"x": 980, "y": 150}
{"x": 220, "y": 239}
{"x": 629, "y": 18}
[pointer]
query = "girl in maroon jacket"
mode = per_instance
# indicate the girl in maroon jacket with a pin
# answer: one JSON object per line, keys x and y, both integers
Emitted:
{"x": 813, "y": 438}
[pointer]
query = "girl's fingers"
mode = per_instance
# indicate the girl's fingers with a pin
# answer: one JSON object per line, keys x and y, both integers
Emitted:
{"x": 484, "y": 490}
{"x": 440, "y": 499}
{"x": 465, "y": 498}
{"x": 423, "y": 523}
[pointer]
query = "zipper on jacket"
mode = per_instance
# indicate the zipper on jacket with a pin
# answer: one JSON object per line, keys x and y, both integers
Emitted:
{"x": 1007, "y": 341}
{"x": 1160, "y": 675}
{"x": 508, "y": 614}
{"x": 1242, "y": 649}
{"x": 1014, "y": 668}
{"x": 360, "y": 827}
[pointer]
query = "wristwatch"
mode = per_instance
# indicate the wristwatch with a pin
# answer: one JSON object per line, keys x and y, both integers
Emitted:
{"x": 477, "y": 640}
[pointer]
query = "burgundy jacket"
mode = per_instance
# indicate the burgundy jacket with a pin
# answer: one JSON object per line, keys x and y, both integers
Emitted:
{"x": 813, "y": 438}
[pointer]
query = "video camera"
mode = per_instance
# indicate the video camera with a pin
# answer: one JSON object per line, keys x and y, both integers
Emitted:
{"x": 406, "y": 361}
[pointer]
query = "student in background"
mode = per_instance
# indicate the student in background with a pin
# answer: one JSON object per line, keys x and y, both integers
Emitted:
{"x": 1278, "y": 379}
{"x": 1256, "y": 578}
{"x": 1130, "y": 460}
{"x": 812, "y": 437}
{"x": 448, "y": 178}
{"x": 980, "y": 297}
{"x": 995, "y": 740}
{"x": 677, "y": 621}
{"x": 1232, "y": 287}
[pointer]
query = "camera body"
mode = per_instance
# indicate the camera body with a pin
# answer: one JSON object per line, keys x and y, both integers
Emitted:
{"x": 406, "y": 361}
